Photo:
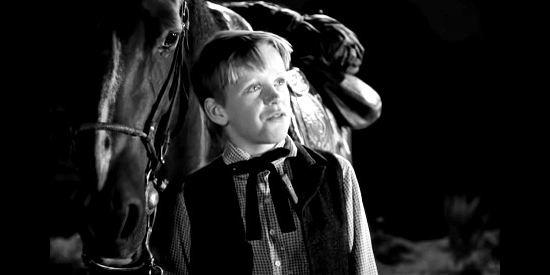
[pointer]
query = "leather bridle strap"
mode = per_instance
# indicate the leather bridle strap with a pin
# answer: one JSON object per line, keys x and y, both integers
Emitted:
{"x": 146, "y": 138}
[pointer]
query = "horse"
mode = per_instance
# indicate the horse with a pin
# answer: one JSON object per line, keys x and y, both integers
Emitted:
{"x": 138, "y": 125}
{"x": 133, "y": 100}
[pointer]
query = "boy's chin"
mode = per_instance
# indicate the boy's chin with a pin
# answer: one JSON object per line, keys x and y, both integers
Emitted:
{"x": 276, "y": 137}
{"x": 279, "y": 132}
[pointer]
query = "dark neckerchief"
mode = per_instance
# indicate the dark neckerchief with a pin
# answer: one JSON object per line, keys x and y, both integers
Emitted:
{"x": 279, "y": 192}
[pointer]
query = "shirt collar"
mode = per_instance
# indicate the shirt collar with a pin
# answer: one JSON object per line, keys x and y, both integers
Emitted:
{"x": 232, "y": 153}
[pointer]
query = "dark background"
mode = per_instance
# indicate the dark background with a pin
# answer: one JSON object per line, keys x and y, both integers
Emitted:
{"x": 434, "y": 67}
{"x": 432, "y": 64}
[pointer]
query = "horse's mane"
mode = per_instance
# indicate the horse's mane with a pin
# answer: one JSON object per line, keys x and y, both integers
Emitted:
{"x": 202, "y": 25}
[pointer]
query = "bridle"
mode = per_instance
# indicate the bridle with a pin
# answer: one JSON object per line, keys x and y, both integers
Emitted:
{"x": 156, "y": 158}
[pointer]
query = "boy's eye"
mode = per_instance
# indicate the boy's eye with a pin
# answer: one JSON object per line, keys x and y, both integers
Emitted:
{"x": 279, "y": 82}
{"x": 255, "y": 88}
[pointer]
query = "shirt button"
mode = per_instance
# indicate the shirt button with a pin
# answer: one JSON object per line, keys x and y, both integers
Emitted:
{"x": 271, "y": 232}
{"x": 277, "y": 263}
{"x": 282, "y": 247}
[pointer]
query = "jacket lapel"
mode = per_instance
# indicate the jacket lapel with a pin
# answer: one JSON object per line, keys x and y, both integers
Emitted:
{"x": 307, "y": 175}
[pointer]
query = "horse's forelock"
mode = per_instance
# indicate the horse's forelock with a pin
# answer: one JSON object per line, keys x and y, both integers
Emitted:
{"x": 167, "y": 12}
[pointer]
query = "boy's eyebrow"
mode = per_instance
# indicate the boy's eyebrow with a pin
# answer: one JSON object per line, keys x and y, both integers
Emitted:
{"x": 285, "y": 74}
{"x": 247, "y": 84}
{"x": 242, "y": 85}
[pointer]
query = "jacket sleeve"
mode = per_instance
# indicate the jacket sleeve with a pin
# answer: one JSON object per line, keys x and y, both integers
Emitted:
{"x": 170, "y": 238}
{"x": 360, "y": 246}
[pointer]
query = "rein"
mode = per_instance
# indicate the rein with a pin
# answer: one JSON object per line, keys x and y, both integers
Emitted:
{"x": 156, "y": 159}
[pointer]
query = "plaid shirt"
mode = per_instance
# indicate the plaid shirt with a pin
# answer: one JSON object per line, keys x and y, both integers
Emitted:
{"x": 285, "y": 253}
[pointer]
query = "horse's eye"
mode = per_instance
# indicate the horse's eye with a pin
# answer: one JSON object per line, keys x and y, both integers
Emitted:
{"x": 170, "y": 40}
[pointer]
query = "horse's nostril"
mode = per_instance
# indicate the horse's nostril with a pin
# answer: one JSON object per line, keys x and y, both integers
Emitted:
{"x": 107, "y": 143}
{"x": 132, "y": 219}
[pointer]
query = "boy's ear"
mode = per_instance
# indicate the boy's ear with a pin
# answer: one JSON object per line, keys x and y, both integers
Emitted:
{"x": 215, "y": 112}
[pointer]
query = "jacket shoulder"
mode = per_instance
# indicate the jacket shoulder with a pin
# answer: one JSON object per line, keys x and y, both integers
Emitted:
{"x": 319, "y": 156}
{"x": 207, "y": 173}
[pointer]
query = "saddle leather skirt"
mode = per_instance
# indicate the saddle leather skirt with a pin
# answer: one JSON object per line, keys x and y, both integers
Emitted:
{"x": 313, "y": 124}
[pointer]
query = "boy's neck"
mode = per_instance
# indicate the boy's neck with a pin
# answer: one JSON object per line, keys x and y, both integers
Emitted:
{"x": 256, "y": 149}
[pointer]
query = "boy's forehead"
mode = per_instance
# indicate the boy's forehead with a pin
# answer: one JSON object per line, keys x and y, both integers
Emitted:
{"x": 243, "y": 73}
{"x": 266, "y": 60}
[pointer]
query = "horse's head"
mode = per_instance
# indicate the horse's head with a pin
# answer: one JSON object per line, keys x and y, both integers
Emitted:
{"x": 132, "y": 93}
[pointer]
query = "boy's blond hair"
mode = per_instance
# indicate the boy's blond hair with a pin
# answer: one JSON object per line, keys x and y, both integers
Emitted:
{"x": 228, "y": 52}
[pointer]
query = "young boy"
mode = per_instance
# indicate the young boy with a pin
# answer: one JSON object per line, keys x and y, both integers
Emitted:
{"x": 267, "y": 205}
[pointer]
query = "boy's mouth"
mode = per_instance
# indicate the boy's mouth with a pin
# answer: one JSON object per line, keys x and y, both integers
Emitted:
{"x": 276, "y": 115}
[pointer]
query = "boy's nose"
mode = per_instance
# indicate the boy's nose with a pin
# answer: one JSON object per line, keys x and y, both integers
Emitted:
{"x": 270, "y": 95}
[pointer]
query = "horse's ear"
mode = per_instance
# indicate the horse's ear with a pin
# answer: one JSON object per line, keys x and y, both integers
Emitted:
{"x": 215, "y": 111}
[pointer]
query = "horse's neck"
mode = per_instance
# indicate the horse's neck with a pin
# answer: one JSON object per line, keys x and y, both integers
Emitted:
{"x": 226, "y": 18}
{"x": 191, "y": 146}
{"x": 208, "y": 18}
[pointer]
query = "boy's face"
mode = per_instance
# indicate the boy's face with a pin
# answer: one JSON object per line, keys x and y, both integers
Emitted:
{"x": 258, "y": 104}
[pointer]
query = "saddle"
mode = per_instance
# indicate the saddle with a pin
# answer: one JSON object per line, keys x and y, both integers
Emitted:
{"x": 313, "y": 124}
